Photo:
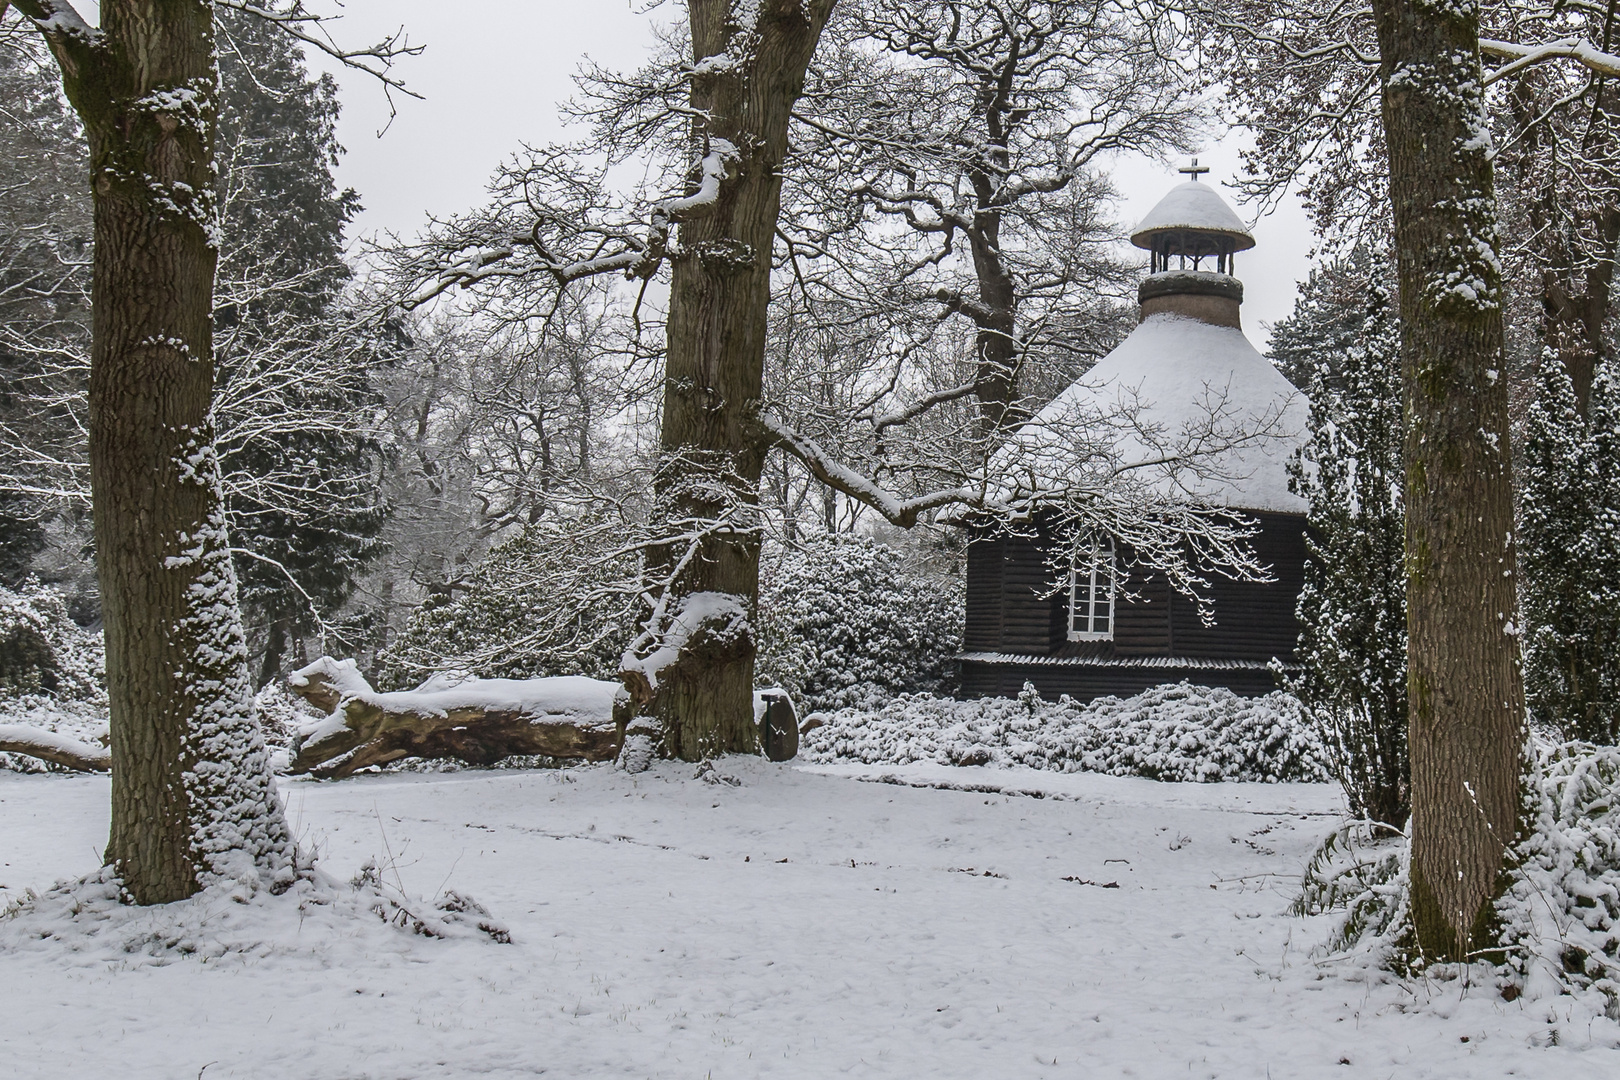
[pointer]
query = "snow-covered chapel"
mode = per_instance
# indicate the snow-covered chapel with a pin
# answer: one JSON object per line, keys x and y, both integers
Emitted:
{"x": 1184, "y": 409}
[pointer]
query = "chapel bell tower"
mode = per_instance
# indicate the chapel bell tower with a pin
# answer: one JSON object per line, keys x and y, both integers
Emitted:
{"x": 1192, "y": 237}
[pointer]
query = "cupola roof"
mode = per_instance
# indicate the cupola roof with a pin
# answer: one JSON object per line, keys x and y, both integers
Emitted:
{"x": 1188, "y": 209}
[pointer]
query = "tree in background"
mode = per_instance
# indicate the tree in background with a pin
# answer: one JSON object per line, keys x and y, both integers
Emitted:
{"x": 1569, "y": 535}
{"x": 1341, "y": 346}
{"x": 44, "y": 299}
{"x": 556, "y": 599}
{"x": 294, "y": 397}
{"x": 293, "y": 402}
{"x": 946, "y": 170}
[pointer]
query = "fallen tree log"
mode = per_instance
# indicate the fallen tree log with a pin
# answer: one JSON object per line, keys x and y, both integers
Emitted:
{"x": 58, "y": 749}
{"x": 478, "y": 721}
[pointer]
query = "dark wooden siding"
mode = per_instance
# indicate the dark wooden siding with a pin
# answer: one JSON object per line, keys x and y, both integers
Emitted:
{"x": 983, "y": 631}
{"x": 1252, "y": 621}
{"x": 1027, "y": 617}
{"x": 1006, "y": 614}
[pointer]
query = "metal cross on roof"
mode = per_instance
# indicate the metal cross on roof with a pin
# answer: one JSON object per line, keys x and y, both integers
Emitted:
{"x": 1194, "y": 169}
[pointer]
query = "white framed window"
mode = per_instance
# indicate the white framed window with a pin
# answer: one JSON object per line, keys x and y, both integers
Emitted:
{"x": 1092, "y": 586}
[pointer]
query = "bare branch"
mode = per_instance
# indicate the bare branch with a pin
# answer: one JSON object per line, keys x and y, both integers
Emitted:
{"x": 376, "y": 60}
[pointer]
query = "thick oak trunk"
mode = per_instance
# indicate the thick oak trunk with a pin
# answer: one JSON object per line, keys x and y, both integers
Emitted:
{"x": 191, "y": 790}
{"x": 998, "y": 351}
{"x": 1466, "y": 696}
{"x": 711, "y": 450}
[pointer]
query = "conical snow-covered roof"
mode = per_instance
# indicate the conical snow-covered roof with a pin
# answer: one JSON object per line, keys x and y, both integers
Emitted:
{"x": 1193, "y": 207}
{"x": 1183, "y": 409}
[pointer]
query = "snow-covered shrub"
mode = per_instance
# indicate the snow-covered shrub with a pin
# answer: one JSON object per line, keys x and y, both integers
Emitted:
{"x": 1559, "y": 917}
{"x": 551, "y": 601}
{"x": 1175, "y": 732}
{"x": 1561, "y": 913}
{"x": 1360, "y": 871}
{"x": 52, "y": 671}
{"x": 844, "y": 622}
{"x": 281, "y": 713}
{"x": 42, "y": 648}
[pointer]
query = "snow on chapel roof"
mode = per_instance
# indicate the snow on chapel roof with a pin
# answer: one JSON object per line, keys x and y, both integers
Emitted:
{"x": 1192, "y": 206}
{"x": 1187, "y": 409}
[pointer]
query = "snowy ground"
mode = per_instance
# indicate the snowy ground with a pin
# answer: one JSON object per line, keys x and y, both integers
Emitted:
{"x": 802, "y": 924}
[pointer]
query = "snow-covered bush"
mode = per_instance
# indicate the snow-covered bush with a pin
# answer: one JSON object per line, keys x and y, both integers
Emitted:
{"x": 1176, "y": 732}
{"x": 281, "y": 714}
{"x": 1559, "y": 917}
{"x": 1561, "y": 913}
{"x": 551, "y": 601}
{"x": 845, "y": 622}
{"x": 43, "y": 649}
{"x": 52, "y": 671}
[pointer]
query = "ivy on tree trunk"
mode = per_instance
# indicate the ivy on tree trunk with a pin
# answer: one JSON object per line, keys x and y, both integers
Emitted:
{"x": 192, "y": 797}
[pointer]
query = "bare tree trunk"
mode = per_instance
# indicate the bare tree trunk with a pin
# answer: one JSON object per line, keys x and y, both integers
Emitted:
{"x": 1573, "y": 320}
{"x": 1466, "y": 701}
{"x": 995, "y": 316}
{"x": 191, "y": 788}
{"x": 710, "y": 447}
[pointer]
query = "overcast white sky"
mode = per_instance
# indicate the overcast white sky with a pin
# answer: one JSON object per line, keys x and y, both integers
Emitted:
{"x": 493, "y": 81}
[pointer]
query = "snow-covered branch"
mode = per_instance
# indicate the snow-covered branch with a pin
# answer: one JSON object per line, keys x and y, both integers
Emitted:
{"x": 49, "y": 746}
{"x": 58, "y": 19}
{"x": 1520, "y": 57}
{"x": 554, "y": 219}
{"x": 903, "y": 512}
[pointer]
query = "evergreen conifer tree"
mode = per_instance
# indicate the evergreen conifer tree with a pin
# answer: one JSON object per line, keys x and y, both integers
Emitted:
{"x": 1569, "y": 528}
{"x": 44, "y": 295}
{"x": 1342, "y": 347}
{"x": 306, "y": 508}
{"x": 291, "y": 384}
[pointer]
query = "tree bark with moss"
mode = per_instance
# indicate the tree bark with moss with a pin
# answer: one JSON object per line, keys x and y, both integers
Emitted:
{"x": 192, "y": 796}
{"x": 1466, "y": 718}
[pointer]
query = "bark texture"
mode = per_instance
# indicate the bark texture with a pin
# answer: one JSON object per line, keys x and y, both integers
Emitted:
{"x": 1466, "y": 694}
{"x": 379, "y": 728}
{"x": 711, "y": 450}
{"x": 191, "y": 790}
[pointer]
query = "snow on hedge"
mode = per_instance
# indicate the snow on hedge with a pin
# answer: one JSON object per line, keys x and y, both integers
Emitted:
{"x": 1558, "y": 918}
{"x": 1561, "y": 913}
{"x": 51, "y": 676}
{"x": 849, "y": 622}
{"x": 1176, "y": 732}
